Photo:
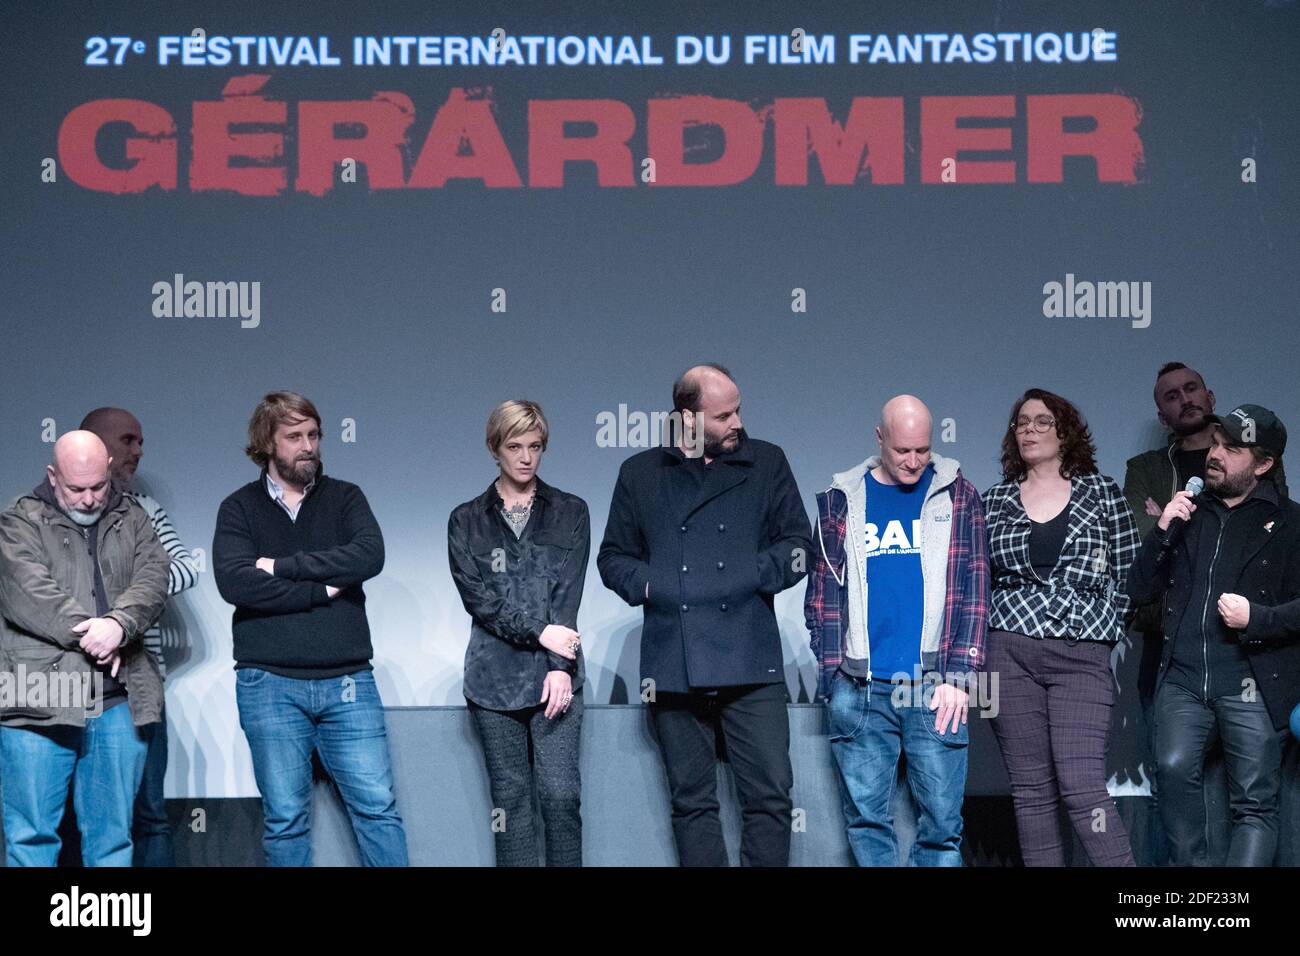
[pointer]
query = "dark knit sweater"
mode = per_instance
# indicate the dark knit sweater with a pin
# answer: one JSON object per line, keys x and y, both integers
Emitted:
{"x": 286, "y": 623}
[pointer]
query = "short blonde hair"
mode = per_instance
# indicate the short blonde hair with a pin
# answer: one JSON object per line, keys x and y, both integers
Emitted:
{"x": 513, "y": 418}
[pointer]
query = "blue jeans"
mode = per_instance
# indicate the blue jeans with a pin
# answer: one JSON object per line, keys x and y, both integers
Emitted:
{"x": 867, "y": 733}
{"x": 342, "y": 719}
{"x": 103, "y": 762}
{"x": 151, "y": 830}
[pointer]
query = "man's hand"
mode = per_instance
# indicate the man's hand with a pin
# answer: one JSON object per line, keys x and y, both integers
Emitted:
{"x": 267, "y": 565}
{"x": 951, "y": 703}
{"x": 1235, "y": 611}
{"x": 1181, "y": 506}
{"x": 557, "y": 693}
{"x": 1153, "y": 509}
{"x": 100, "y": 638}
{"x": 560, "y": 639}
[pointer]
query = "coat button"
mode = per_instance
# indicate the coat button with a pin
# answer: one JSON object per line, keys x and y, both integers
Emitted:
{"x": 724, "y": 607}
{"x": 683, "y": 529}
{"x": 722, "y": 527}
{"x": 685, "y": 608}
{"x": 1265, "y": 561}
{"x": 685, "y": 568}
{"x": 720, "y": 565}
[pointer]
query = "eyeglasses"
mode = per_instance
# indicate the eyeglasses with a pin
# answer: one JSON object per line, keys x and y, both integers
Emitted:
{"x": 1039, "y": 424}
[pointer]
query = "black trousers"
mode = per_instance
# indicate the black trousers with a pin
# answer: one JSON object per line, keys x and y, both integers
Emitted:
{"x": 755, "y": 730}
{"x": 1252, "y": 754}
{"x": 509, "y": 738}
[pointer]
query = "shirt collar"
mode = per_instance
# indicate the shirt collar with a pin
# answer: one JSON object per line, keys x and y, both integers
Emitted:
{"x": 491, "y": 498}
{"x": 277, "y": 492}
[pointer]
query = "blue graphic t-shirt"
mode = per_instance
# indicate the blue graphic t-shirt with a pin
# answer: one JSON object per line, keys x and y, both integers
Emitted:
{"x": 895, "y": 592}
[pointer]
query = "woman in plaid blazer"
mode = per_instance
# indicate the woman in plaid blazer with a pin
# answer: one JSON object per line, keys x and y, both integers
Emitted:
{"x": 1061, "y": 539}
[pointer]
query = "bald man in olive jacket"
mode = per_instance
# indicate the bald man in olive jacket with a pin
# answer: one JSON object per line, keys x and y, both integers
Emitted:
{"x": 82, "y": 576}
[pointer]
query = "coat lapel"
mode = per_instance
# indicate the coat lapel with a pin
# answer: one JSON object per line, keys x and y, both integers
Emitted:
{"x": 721, "y": 478}
{"x": 1086, "y": 509}
{"x": 1262, "y": 530}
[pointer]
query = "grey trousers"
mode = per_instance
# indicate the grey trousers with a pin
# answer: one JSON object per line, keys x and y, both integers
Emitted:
{"x": 507, "y": 738}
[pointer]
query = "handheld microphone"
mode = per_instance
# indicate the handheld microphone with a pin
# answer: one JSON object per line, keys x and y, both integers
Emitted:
{"x": 1194, "y": 487}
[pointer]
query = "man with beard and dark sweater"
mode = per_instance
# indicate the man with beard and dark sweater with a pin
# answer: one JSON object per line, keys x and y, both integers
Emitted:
{"x": 705, "y": 533}
{"x": 291, "y": 551}
{"x": 1228, "y": 567}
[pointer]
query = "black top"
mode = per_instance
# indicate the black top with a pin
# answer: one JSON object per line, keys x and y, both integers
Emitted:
{"x": 1046, "y": 538}
{"x": 286, "y": 623}
{"x": 1188, "y": 464}
{"x": 513, "y": 587}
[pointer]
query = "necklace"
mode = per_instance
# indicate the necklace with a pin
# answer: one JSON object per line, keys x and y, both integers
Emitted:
{"x": 517, "y": 514}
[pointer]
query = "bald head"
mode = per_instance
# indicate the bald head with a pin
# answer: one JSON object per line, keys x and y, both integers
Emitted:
{"x": 708, "y": 400}
{"x": 904, "y": 412}
{"x": 79, "y": 475}
{"x": 121, "y": 433}
{"x": 904, "y": 439}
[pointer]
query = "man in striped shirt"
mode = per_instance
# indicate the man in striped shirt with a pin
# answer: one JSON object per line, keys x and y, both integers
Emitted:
{"x": 124, "y": 438}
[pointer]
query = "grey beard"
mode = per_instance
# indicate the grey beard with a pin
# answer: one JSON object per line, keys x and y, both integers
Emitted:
{"x": 85, "y": 518}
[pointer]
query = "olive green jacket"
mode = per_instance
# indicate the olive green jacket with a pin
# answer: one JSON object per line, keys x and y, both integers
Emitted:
{"x": 47, "y": 587}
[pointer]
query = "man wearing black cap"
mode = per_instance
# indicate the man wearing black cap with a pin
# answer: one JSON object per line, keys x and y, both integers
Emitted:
{"x": 1228, "y": 568}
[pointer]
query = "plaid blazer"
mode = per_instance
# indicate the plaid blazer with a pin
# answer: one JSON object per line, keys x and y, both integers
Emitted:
{"x": 1085, "y": 598}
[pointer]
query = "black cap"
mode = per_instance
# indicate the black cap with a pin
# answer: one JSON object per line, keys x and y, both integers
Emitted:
{"x": 1252, "y": 425}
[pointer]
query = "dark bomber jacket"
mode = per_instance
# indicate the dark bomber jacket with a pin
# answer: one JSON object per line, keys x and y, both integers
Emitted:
{"x": 1266, "y": 554}
{"x": 514, "y": 587}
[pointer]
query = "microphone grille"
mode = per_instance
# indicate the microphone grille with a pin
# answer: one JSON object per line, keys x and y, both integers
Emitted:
{"x": 1195, "y": 486}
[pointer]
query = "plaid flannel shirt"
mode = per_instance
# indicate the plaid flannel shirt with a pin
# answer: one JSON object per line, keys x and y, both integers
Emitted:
{"x": 966, "y": 601}
{"x": 1085, "y": 598}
